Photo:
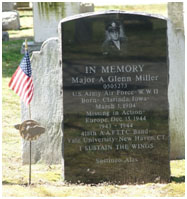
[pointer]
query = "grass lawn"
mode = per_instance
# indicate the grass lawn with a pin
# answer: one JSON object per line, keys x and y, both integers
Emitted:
{"x": 46, "y": 179}
{"x": 160, "y": 9}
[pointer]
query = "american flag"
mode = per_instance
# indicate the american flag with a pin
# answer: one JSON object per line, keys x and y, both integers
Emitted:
{"x": 21, "y": 81}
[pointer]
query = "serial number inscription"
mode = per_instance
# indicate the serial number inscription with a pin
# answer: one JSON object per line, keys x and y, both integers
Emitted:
{"x": 115, "y": 86}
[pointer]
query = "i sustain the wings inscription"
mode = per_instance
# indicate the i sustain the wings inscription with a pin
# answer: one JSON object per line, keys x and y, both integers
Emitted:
{"x": 115, "y": 82}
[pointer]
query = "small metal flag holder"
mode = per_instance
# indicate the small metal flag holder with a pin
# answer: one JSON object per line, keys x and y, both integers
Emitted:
{"x": 30, "y": 130}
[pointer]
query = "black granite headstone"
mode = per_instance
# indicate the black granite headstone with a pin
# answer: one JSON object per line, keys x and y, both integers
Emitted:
{"x": 115, "y": 98}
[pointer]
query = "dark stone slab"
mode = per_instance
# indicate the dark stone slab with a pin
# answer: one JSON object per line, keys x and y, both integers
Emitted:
{"x": 115, "y": 98}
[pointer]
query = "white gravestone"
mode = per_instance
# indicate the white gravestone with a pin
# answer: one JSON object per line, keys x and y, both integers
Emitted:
{"x": 46, "y": 105}
{"x": 10, "y": 20}
{"x": 176, "y": 46}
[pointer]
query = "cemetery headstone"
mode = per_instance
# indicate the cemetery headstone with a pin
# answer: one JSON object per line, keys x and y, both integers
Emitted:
{"x": 115, "y": 98}
{"x": 176, "y": 89}
{"x": 47, "y": 100}
{"x": 10, "y": 20}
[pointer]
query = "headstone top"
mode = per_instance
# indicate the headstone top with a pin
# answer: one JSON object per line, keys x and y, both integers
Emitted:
{"x": 89, "y": 14}
{"x": 10, "y": 20}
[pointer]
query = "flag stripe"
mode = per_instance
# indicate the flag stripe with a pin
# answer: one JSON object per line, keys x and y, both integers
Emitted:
{"x": 21, "y": 81}
{"x": 26, "y": 89}
{"x": 12, "y": 79}
{"x": 22, "y": 85}
{"x": 27, "y": 93}
{"x": 26, "y": 84}
{"x": 15, "y": 78}
{"x": 29, "y": 96}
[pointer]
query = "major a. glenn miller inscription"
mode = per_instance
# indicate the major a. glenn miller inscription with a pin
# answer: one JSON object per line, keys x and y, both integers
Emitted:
{"x": 115, "y": 85}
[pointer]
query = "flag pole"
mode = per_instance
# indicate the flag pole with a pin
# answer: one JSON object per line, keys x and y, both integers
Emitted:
{"x": 30, "y": 146}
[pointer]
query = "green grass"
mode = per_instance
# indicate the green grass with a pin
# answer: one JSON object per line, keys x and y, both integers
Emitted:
{"x": 160, "y": 9}
{"x": 11, "y": 56}
{"x": 46, "y": 180}
{"x": 47, "y": 183}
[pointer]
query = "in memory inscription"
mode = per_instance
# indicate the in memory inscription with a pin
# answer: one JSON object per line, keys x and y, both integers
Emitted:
{"x": 115, "y": 85}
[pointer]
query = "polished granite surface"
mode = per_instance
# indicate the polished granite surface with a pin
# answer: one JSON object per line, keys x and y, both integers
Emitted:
{"x": 115, "y": 99}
